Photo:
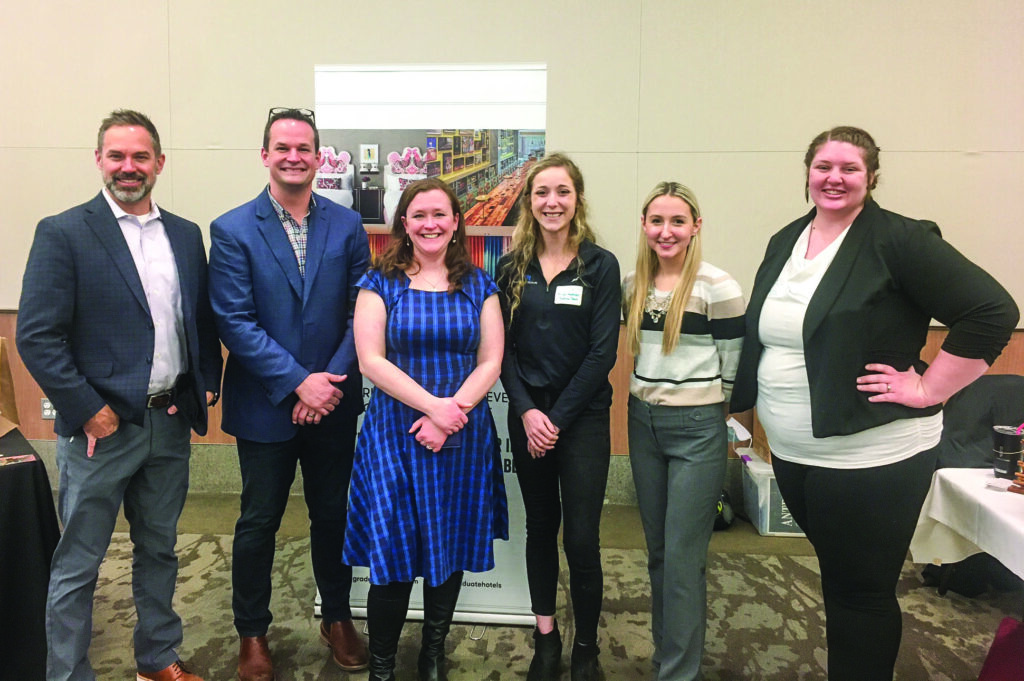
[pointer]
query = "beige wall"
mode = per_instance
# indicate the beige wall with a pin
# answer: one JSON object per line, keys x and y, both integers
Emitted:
{"x": 723, "y": 96}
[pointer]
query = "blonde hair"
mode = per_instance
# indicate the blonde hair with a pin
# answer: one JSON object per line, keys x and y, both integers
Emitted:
{"x": 647, "y": 267}
{"x": 526, "y": 239}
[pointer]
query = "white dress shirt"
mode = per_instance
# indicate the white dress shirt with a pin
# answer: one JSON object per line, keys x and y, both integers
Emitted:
{"x": 151, "y": 250}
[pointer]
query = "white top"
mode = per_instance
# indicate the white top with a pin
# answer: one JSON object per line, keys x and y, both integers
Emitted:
{"x": 151, "y": 250}
{"x": 783, "y": 392}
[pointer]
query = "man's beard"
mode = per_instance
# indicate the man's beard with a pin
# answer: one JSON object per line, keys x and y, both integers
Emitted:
{"x": 133, "y": 195}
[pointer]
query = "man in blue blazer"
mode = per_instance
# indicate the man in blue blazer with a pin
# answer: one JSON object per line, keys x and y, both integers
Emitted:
{"x": 283, "y": 273}
{"x": 116, "y": 327}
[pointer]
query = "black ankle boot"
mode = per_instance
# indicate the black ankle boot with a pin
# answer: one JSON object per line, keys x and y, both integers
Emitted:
{"x": 438, "y": 609}
{"x": 386, "y": 608}
{"x": 547, "y": 656}
{"x": 584, "y": 665}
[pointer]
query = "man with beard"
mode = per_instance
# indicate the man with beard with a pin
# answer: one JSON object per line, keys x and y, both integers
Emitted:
{"x": 116, "y": 327}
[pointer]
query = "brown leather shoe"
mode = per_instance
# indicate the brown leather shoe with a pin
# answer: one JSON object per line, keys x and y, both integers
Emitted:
{"x": 176, "y": 672}
{"x": 254, "y": 662}
{"x": 348, "y": 649}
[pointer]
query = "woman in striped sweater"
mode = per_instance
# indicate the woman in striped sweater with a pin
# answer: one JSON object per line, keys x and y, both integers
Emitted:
{"x": 684, "y": 322}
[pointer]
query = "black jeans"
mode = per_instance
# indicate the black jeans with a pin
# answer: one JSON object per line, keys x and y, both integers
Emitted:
{"x": 566, "y": 483}
{"x": 860, "y": 522}
{"x": 268, "y": 469}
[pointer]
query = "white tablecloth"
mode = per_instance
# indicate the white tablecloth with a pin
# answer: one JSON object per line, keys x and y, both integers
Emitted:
{"x": 963, "y": 515}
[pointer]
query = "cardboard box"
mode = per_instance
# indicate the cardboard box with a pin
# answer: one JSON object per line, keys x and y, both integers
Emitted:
{"x": 763, "y": 502}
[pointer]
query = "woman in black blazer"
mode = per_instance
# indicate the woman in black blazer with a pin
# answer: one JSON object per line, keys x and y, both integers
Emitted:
{"x": 836, "y": 322}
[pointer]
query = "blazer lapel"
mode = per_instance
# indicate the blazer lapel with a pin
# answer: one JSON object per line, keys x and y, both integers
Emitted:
{"x": 774, "y": 260}
{"x": 182, "y": 261}
{"x": 838, "y": 272}
{"x": 316, "y": 242}
{"x": 108, "y": 233}
{"x": 277, "y": 241}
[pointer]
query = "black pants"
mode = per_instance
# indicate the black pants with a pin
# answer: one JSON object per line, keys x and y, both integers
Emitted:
{"x": 268, "y": 470}
{"x": 566, "y": 483}
{"x": 860, "y": 522}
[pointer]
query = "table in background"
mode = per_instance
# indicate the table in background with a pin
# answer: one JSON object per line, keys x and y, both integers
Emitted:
{"x": 28, "y": 537}
{"x": 962, "y": 516}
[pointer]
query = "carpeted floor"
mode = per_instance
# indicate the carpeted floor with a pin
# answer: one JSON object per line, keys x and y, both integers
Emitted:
{"x": 765, "y": 621}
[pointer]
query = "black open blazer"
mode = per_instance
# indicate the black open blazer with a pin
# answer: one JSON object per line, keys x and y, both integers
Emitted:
{"x": 890, "y": 277}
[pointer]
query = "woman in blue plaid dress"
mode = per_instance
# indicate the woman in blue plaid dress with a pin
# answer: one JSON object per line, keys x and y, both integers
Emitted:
{"x": 427, "y": 496}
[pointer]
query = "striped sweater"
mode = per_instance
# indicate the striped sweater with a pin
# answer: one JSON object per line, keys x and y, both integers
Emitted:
{"x": 703, "y": 365}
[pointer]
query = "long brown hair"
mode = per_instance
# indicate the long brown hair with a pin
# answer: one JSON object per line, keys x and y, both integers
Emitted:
{"x": 399, "y": 255}
{"x": 526, "y": 239}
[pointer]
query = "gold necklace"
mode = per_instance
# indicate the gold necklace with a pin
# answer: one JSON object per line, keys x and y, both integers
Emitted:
{"x": 435, "y": 285}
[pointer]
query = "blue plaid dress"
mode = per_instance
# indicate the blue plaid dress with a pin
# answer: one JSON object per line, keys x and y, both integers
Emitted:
{"x": 413, "y": 512}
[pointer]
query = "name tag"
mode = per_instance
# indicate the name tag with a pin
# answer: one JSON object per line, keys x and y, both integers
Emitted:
{"x": 569, "y": 295}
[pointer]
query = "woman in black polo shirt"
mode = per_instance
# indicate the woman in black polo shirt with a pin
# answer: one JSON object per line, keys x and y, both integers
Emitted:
{"x": 560, "y": 296}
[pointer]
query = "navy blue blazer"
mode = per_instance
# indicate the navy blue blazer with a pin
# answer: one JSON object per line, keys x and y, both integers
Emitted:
{"x": 890, "y": 277}
{"x": 278, "y": 326}
{"x": 84, "y": 327}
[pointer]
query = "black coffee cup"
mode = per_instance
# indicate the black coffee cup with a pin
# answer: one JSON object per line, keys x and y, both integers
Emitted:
{"x": 1006, "y": 450}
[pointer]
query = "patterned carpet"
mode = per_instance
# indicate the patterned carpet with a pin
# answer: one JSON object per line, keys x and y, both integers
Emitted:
{"x": 765, "y": 621}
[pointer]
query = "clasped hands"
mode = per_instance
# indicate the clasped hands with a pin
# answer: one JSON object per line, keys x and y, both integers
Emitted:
{"x": 318, "y": 396}
{"x": 541, "y": 433}
{"x": 448, "y": 416}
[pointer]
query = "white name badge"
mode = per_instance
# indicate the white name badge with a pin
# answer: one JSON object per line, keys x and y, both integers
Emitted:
{"x": 569, "y": 295}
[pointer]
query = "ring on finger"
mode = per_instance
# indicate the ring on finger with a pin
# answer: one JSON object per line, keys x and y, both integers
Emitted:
{"x": 888, "y": 387}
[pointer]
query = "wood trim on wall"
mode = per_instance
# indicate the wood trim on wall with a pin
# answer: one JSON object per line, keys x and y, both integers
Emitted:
{"x": 34, "y": 428}
{"x": 28, "y": 394}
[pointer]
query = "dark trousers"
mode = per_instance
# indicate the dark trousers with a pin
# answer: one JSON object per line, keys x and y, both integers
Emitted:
{"x": 268, "y": 470}
{"x": 568, "y": 483}
{"x": 860, "y": 522}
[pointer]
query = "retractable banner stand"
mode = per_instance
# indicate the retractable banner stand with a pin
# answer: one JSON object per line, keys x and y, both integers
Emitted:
{"x": 499, "y": 596}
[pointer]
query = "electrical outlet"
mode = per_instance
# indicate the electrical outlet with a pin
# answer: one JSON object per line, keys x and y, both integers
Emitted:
{"x": 48, "y": 412}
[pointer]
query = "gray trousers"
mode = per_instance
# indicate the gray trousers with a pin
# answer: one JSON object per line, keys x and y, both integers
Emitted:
{"x": 147, "y": 468}
{"x": 678, "y": 457}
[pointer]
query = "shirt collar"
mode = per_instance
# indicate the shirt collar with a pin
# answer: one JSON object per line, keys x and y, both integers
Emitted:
{"x": 153, "y": 214}
{"x": 279, "y": 209}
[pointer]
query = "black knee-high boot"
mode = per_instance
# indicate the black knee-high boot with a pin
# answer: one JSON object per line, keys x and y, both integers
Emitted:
{"x": 438, "y": 609}
{"x": 386, "y": 608}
